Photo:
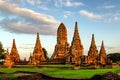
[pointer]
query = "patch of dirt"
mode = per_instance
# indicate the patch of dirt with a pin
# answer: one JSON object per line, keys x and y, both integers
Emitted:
{"x": 106, "y": 76}
{"x": 30, "y": 77}
{"x": 2, "y": 73}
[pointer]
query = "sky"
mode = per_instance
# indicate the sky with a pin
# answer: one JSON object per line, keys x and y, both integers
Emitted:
{"x": 22, "y": 19}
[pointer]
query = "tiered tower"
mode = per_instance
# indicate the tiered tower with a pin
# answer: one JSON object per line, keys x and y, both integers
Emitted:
{"x": 8, "y": 62}
{"x": 76, "y": 49}
{"x": 93, "y": 52}
{"x": 102, "y": 54}
{"x": 14, "y": 53}
{"x": 38, "y": 54}
{"x": 62, "y": 46}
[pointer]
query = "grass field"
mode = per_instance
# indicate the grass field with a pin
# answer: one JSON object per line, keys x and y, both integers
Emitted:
{"x": 81, "y": 73}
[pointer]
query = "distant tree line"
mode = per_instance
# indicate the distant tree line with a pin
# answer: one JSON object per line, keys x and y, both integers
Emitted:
{"x": 115, "y": 57}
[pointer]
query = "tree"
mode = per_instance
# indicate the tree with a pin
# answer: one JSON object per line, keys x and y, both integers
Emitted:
{"x": 45, "y": 54}
{"x": 2, "y": 55}
{"x": 115, "y": 57}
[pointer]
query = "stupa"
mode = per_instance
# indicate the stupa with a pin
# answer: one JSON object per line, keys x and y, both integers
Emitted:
{"x": 38, "y": 55}
{"x": 8, "y": 61}
{"x": 93, "y": 52}
{"x": 76, "y": 49}
{"x": 14, "y": 53}
{"x": 102, "y": 54}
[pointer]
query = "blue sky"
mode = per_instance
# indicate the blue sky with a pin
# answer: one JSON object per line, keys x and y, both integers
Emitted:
{"x": 22, "y": 19}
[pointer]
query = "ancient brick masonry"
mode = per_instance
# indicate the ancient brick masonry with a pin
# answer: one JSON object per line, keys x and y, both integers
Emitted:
{"x": 30, "y": 59}
{"x": 102, "y": 54}
{"x": 38, "y": 54}
{"x": 93, "y": 52}
{"x": 62, "y": 46}
{"x": 8, "y": 62}
{"x": 14, "y": 53}
{"x": 76, "y": 49}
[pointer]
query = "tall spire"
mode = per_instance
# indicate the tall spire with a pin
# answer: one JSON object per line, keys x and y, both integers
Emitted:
{"x": 102, "y": 50}
{"x": 93, "y": 41}
{"x": 14, "y": 53}
{"x": 76, "y": 42}
{"x": 93, "y": 52}
{"x": 38, "y": 53}
{"x": 14, "y": 44}
{"x": 76, "y": 48}
{"x": 76, "y": 33}
{"x": 76, "y": 28}
{"x": 102, "y": 45}
{"x": 102, "y": 54}
{"x": 37, "y": 44}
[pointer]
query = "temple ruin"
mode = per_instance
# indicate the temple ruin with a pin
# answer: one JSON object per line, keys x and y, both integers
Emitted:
{"x": 14, "y": 53}
{"x": 74, "y": 54}
{"x": 62, "y": 46}
{"x": 76, "y": 50}
{"x": 8, "y": 61}
{"x": 38, "y": 54}
{"x": 93, "y": 52}
{"x": 63, "y": 52}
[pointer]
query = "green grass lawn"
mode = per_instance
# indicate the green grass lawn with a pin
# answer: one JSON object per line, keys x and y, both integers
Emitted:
{"x": 81, "y": 73}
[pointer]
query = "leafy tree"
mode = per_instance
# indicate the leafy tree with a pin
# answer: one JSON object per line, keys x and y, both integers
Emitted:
{"x": 115, "y": 57}
{"x": 45, "y": 53}
{"x": 2, "y": 55}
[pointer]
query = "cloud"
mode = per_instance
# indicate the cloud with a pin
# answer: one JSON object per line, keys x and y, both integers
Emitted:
{"x": 67, "y": 3}
{"x": 14, "y": 2}
{"x": 43, "y": 7}
{"x": 67, "y": 13}
{"x": 107, "y": 6}
{"x": 70, "y": 3}
{"x": 23, "y": 20}
{"x": 110, "y": 17}
{"x": 41, "y": 4}
{"x": 90, "y": 15}
{"x": 34, "y": 2}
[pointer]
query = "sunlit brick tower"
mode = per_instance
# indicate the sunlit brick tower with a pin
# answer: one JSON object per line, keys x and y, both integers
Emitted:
{"x": 14, "y": 53}
{"x": 93, "y": 52}
{"x": 62, "y": 46}
{"x": 76, "y": 49}
{"x": 8, "y": 62}
{"x": 38, "y": 54}
{"x": 102, "y": 54}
